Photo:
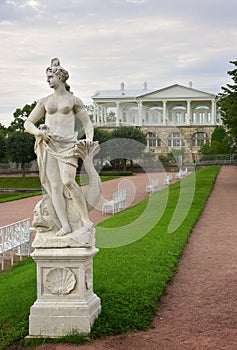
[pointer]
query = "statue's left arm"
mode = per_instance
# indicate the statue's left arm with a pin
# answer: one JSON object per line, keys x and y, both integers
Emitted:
{"x": 82, "y": 114}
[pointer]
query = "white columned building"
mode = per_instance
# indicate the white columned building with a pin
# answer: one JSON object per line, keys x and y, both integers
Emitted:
{"x": 182, "y": 109}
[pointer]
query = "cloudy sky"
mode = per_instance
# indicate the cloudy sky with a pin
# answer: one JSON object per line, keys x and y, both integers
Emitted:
{"x": 105, "y": 42}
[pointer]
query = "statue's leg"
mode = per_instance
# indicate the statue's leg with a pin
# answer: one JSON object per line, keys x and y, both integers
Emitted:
{"x": 57, "y": 197}
{"x": 68, "y": 174}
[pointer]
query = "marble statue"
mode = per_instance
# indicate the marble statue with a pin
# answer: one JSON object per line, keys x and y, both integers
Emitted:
{"x": 61, "y": 218}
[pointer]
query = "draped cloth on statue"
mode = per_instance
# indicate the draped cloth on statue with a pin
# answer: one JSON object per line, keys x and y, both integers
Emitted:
{"x": 65, "y": 151}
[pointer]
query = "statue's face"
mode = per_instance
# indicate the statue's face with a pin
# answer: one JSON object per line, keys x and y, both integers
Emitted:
{"x": 53, "y": 80}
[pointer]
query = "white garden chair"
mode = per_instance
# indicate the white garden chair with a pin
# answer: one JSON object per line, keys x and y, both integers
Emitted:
{"x": 153, "y": 187}
{"x": 168, "y": 180}
{"x": 116, "y": 204}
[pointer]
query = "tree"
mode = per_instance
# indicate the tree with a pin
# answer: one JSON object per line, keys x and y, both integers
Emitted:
{"x": 20, "y": 148}
{"x": 132, "y": 145}
{"x": 20, "y": 115}
{"x": 90, "y": 110}
{"x": 101, "y": 135}
{"x": 218, "y": 134}
{"x": 3, "y": 129}
{"x": 3, "y": 145}
{"x": 221, "y": 143}
{"x": 111, "y": 118}
{"x": 129, "y": 132}
{"x": 228, "y": 103}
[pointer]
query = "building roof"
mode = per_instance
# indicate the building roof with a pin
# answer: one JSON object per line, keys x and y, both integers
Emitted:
{"x": 121, "y": 93}
{"x": 136, "y": 93}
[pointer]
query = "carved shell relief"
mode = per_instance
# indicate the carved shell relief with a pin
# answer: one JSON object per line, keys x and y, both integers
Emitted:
{"x": 60, "y": 281}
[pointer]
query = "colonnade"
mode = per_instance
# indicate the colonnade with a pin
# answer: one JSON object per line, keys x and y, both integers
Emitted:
{"x": 100, "y": 113}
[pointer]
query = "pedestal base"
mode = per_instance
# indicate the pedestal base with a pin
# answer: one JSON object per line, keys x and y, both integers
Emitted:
{"x": 66, "y": 302}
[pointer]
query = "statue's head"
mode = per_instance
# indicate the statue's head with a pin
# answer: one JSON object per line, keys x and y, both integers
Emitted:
{"x": 56, "y": 69}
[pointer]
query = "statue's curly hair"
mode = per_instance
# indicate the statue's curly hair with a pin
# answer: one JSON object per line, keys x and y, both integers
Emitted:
{"x": 55, "y": 68}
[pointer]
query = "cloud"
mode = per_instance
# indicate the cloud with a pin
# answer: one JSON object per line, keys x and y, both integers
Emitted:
{"x": 105, "y": 42}
{"x": 137, "y": 2}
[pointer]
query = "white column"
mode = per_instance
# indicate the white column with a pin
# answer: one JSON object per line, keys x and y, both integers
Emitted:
{"x": 213, "y": 111}
{"x": 140, "y": 113}
{"x": 97, "y": 114}
{"x": 164, "y": 112}
{"x": 103, "y": 115}
{"x": 94, "y": 114}
{"x": 117, "y": 113}
{"x": 189, "y": 116}
{"x": 105, "y": 111}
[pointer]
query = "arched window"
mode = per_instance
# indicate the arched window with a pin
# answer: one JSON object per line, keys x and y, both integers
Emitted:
{"x": 178, "y": 114}
{"x": 130, "y": 114}
{"x": 154, "y": 115}
{"x": 201, "y": 114}
{"x": 199, "y": 138}
{"x": 175, "y": 140}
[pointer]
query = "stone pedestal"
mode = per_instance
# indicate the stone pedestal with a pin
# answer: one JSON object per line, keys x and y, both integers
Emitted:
{"x": 66, "y": 302}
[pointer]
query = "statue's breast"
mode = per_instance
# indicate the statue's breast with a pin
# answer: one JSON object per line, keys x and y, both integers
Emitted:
{"x": 65, "y": 105}
{"x": 65, "y": 109}
{"x": 51, "y": 107}
{"x": 61, "y": 105}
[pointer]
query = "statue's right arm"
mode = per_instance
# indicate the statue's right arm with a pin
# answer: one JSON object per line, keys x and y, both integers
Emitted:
{"x": 35, "y": 115}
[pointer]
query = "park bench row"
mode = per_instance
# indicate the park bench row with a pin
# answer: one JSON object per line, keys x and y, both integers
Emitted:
{"x": 153, "y": 186}
{"x": 15, "y": 239}
{"x": 116, "y": 204}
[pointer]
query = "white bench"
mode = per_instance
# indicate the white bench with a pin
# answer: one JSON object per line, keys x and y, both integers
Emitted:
{"x": 168, "y": 180}
{"x": 181, "y": 173}
{"x": 118, "y": 203}
{"x": 153, "y": 187}
{"x": 15, "y": 239}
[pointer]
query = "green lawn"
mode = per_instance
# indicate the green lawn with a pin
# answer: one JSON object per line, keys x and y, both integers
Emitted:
{"x": 130, "y": 278}
{"x": 33, "y": 183}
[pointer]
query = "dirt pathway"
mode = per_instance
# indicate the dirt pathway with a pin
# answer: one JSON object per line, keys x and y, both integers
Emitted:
{"x": 135, "y": 185}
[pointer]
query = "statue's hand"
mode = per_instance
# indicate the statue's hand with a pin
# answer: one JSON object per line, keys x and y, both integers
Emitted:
{"x": 43, "y": 133}
{"x": 45, "y": 137}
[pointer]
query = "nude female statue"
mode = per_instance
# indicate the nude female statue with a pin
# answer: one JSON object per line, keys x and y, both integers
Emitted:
{"x": 58, "y": 149}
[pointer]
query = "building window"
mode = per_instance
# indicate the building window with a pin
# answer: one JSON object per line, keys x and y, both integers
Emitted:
{"x": 178, "y": 117}
{"x": 178, "y": 114}
{"x": 186, "y": 118}
{"x": 130, "y": 115}
{"x": 153, "y": 140}
{"x": 175, "y": 140}
{"x": 199, "y": 138}
{"x": 154, "y": 115}
{"x": 202, "y": 114}
{"x": 201, "y": 117}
